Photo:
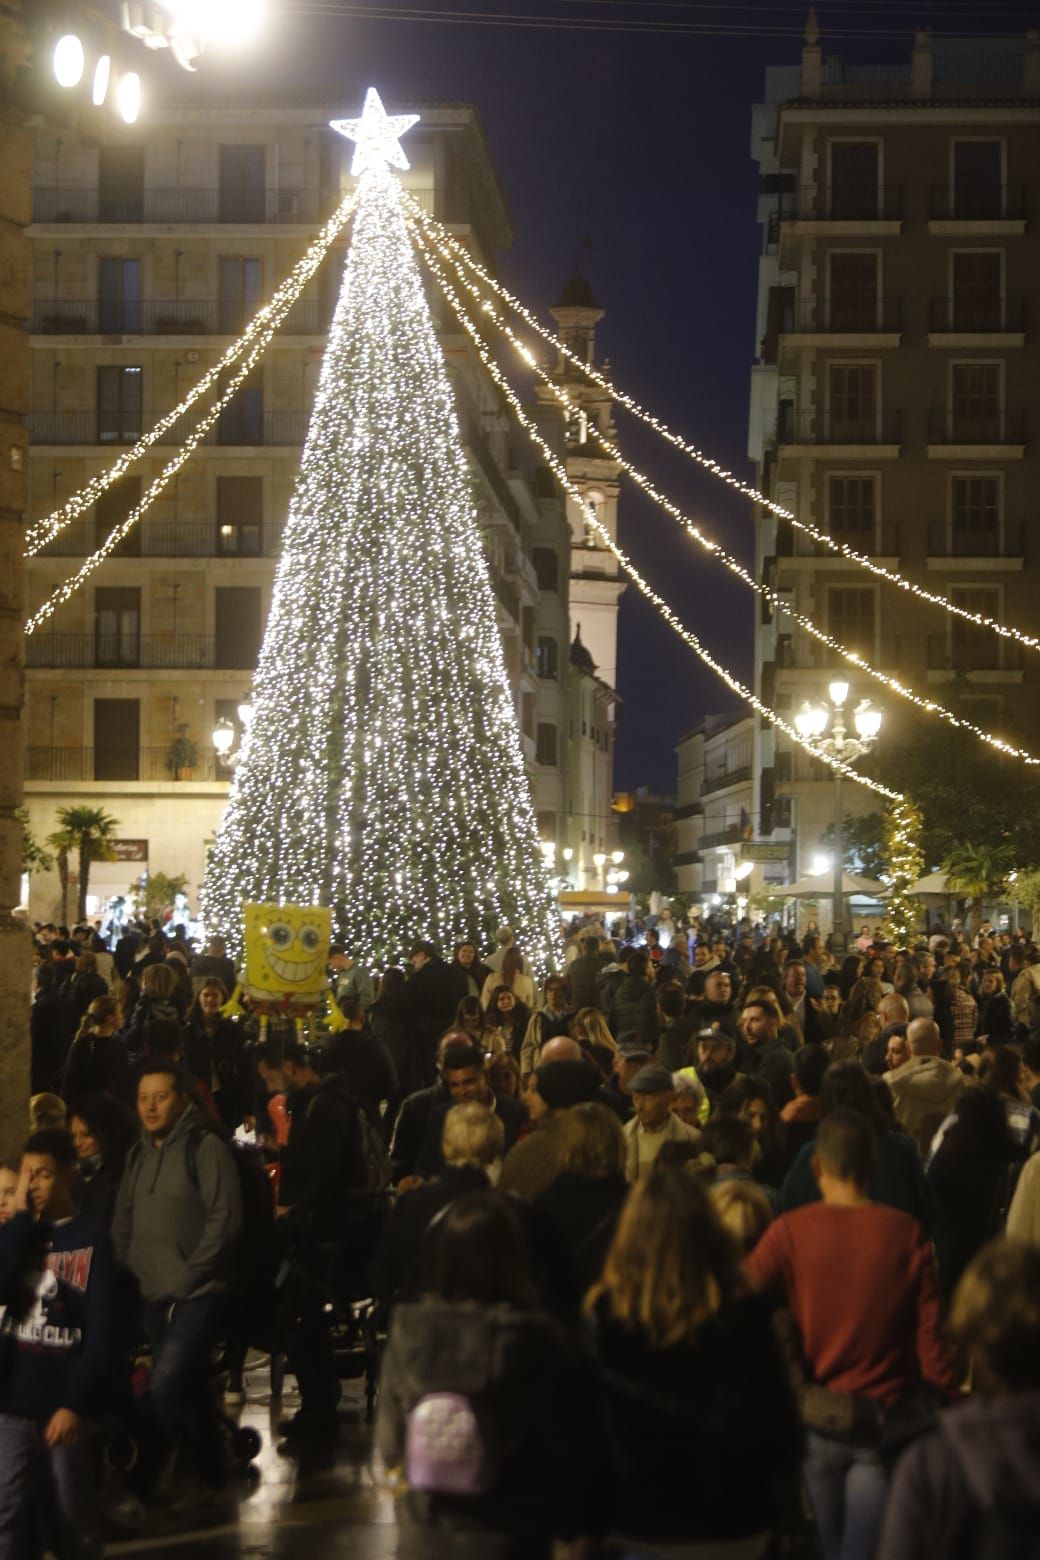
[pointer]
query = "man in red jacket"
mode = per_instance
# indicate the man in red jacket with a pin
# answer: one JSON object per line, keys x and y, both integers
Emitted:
{"x": 860, "y": 1281}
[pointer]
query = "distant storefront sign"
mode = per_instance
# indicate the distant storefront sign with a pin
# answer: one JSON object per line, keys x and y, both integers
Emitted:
{"x": 764, "y": 850}
{"x": 130, "y": 850}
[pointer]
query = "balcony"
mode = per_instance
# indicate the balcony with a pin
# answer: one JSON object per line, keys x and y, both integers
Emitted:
{"x": 152, "y": 538}
{"x": 854, "y": 203}
{"x": 997, "y": 541}
{"x": 981, "y": 203}
{"x": 82, "y": 763}
{"x": 136, "y": 652}
{"x": 476, "y": 442}
{"x": 90, "y": 427}
{"x": 187, "y": 203}
{"x": 877, "y": 541}
{"x": 732, "y": 834}
{"x": 974, "y": 652}
{"x": 950, "y": 430}
{"x": 854, "y": 314}
{"x": 166, "y": 317}
{"x": 719, "y": 782}
{"x": 975, "y": 314}
{"x": 818, "y": 427}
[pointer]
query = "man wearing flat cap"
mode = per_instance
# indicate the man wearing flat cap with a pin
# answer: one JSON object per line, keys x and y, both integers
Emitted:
{"x": 653, "y": 1124}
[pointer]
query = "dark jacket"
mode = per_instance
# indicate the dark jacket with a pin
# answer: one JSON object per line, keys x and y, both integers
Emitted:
{"x": 705, "y": 1441}
{"x": 511, "y": 1113}
{"x": 51, "y": 1027}
{"x": 410, "y": 1129}
{"x": 388, "y": 1021}
{"x": 520, "y": 1369}
{"x": 80, "y": 991}
{"x": 322, "y": 1160}
{"x": 772, "y": 1063}
{"x": 634, "y": 1009}
{"x": 97, "y": 1063}
{"x": 969, "y": 1490}
{"x": 398, "y": 1260}
{"x": 431, "y": 997}
{"x": 579, "y": 1214}
{"x": 178, "y": 1212}
{"x": 581, "y": 981}
{"x": 218, "y": 1057}
{"x": 996, "y": 1019}
{"x": 899, "y": 1182}
{"x": 366, "y": 1064}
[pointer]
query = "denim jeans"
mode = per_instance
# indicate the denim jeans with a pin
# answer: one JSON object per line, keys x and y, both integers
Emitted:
{"x": 181, "y": 1401}
{"x": 58, "y": 1479}
{"x": 847, "y": 1486}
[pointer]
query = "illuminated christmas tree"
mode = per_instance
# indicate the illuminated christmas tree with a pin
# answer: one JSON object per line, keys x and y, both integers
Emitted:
{"x": 903, "y": 825}
{"x": 382, "y": 772}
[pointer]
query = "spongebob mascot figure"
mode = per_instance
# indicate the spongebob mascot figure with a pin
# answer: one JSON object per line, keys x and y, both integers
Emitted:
{"x": 286, "y": 953}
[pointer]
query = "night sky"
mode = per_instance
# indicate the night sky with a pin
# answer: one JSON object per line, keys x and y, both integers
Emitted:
{"x": 630, "y": 151}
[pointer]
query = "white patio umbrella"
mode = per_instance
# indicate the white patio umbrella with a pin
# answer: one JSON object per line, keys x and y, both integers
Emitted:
{"x": 822, "y": 886}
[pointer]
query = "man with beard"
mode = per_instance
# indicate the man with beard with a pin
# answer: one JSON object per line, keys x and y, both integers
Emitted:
{"x": 716, "y": 1062}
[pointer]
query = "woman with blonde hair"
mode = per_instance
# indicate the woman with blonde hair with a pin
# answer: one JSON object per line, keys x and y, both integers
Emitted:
{"x": 592, "y": 1032}
{"x": 97, "y": 1061}
{"x": 744, "y": 1210}
{"x": 700, "y": 1416}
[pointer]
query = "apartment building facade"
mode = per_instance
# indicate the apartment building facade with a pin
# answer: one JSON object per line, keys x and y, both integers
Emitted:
{"x": 895, "y": 403}
{"x": 150, "y": 252}
{"x": 714, "y": 808}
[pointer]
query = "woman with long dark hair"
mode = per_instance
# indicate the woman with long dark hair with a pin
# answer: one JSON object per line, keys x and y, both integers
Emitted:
{"x": 970, "y": 1178}
{"x": 469, "y": 971}
{"x": 508, "y": 1018}
{"x": 482, "y": 1422}
{"x": 103, "y": 1132}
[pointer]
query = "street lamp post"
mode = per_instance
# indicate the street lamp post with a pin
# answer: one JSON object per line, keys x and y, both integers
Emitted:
{"x": 811, "y": 722}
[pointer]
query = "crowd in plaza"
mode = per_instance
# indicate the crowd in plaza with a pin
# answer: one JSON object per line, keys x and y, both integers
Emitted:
{"x": 713, "y": 1245}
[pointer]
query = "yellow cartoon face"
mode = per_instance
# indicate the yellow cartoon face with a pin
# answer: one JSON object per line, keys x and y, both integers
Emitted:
{"x": 286, "y": 950}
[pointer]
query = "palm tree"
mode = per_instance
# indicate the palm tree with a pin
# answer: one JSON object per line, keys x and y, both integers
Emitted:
{"x": 90, "y": 832}
{"x": 62, "y": 842}
{"x": 979, "y": 872}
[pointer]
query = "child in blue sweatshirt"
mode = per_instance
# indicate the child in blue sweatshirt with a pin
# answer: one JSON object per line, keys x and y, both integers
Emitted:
{"x": 55, "y": 1278}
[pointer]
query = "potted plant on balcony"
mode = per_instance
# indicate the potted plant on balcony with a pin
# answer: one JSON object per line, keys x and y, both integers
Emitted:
{"x": 182, "y": 755}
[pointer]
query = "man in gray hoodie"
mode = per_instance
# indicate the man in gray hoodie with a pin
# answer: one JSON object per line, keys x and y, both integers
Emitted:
{"x": 177, "y": 1220}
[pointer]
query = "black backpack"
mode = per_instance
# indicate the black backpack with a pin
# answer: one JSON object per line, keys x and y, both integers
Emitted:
{"x": 255, "y": 1244}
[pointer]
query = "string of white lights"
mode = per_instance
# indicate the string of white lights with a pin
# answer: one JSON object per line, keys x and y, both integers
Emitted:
{"x": 285, "y": 295}
{"x": 457, "y": 255}
{"x": 776, "y": 600}
{"x": 592, "y": 519}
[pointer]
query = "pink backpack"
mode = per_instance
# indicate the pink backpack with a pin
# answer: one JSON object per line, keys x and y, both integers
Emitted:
{"x": 448, "y": 1449}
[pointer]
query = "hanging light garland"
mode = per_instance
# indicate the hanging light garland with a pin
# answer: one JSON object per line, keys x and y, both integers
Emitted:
{"x": 458, "y": 257}
{"x": 593, "y": 521}
{"x": 262, "y": 325}
{"x": 775, "y": 599}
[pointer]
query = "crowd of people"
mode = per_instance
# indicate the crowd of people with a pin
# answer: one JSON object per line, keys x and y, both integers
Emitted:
{"x": 711, "y": 1245}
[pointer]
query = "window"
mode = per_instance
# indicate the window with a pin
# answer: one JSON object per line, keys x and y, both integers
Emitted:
{"x": 972, "y": 646}
{"x": 851, "y": 508}
{"x": 854, "y": 291}
{"x": 975, "y": 403}
{"x": 548, "y": 657}
{"x": 545, "y": 743}
{"x": 241, "y": 184}
{"x": 119, "y": 296}
{"x": 121, "y": 183}
{"x": 119, "y": 404}
{"x": 977, "y": 277}
{"x": 527, "y": 714}
{"x": 546, "y": 825}
{"x": 238, "y": 631}
{"x": 855, "y": 166}
{"x": 527, "y": 629}
{"x": 239, "y": 292}
{"x": 852, "y": 402}
{"x": 975, "y": 516}
{"x": 851, "y": 618}
{"x": 978, "y": 180}
{"x": 546, "y": 568}
{"x": 117, "y": 739}
{"x": 112, "y": 509}
{"x": 240, "y": 510}
{"x": 242, "y": 420}
{"x": 117, "y": 630}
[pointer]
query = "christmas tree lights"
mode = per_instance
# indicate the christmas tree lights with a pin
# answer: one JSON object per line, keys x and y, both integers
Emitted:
{"x": 903, "y": 824}
{"x": 596, "y": 525}
{"x": 382, "y": 771}
{"x": 778, "y": 602}
{"x": 458, "y": 256}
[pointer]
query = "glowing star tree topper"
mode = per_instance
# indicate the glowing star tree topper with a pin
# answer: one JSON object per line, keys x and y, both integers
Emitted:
{"x": 376, "y": 135}
{"x": 382, "y": 774}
